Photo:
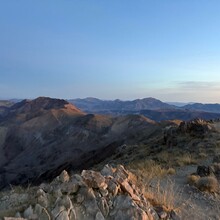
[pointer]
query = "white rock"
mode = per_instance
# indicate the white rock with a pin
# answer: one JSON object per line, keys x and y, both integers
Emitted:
{"x": 28, "y": 212}
{"x": 57, "y": 210}
{"x": 63, "y": 216}
{"x": 99, "y": 216}
{"x": 38, "y": 209}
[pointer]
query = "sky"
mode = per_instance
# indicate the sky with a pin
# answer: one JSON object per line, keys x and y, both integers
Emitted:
{"x": 109, "y": 49}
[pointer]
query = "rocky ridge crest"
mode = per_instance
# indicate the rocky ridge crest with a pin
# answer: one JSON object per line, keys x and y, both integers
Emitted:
{"x": 109, "y": 194}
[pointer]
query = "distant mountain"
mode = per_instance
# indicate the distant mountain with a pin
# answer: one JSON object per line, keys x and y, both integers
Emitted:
{"x": 97, "y": 105}
{"x": 179, "y": 104}
{"x": 149, "y": 107}
{"x": 6, "y": 103}
{"x": 203, "y": 107}
{"x": 9, "y": 102}
{"x": 173, "y": 114}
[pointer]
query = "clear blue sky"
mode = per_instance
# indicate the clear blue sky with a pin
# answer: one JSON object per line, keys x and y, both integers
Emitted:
{"x": 127, "y": 49}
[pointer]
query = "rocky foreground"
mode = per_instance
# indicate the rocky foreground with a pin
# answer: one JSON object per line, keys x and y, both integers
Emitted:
{"x": 109, "y": 194}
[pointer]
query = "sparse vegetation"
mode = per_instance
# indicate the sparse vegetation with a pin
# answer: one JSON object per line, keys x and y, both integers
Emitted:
{"x": 203, "y": 155}
{"x": 171, "y": 171}
{"x": 149, "y": 170}
{"x": 208, "y": 183}
{"x": 192, "y": 179}
{"x": 150, "y": 173}
{"x": 163, "y": 195}
{"x": 186, "y": 159}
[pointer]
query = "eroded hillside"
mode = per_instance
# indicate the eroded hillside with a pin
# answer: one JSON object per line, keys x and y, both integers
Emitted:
{"x": 40, "y": 138}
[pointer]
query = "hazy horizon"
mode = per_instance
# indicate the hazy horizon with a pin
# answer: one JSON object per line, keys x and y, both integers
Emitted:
{"x": 177, "y": 103}
{"x": 110, "y": 50}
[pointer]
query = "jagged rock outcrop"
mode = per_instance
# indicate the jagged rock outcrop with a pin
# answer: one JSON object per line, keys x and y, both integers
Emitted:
{"x": 197, "y": 127}
{"x": 193, "y": 128}
{"x": 109, "y": 194}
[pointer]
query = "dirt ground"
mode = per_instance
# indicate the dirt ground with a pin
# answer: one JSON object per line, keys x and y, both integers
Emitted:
{"x": 190, "y": 201}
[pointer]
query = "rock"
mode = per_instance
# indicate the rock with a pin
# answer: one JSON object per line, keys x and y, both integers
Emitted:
{"x": 107, "y": 170}
{"x": 113, "y": 188}
{"x": 99, "y": 216}
{"x": 67, "y": 203}
{"x": 63, "y": 216}
{"x": 162, "y": 215}
{"x": 70, "y": 187}
{"x": 161, "y": 212}
{"x": 42, "y": 200}
{"x": 80, "y": 198}
{"x": 33, "y": 217}
{"x": 124, "y": 208}
{"x": 121, "y": 177}
{"x": 204, "y": 171}
{"x": 38, "y": 209}
{"x": 89, "y": 196}
{"x": 18, "y": 215}
{"x": 77, "y": 177}
{"x": 130, "y": 190}
{"x": 104, "y": 192}
{"x": 41, "y": 212}
{"x": 72, "y": 215}
{"x": 40, "y": 192}
{"x": 28, "y": 212}
{"x": 57, "y": 193}
{"x": 103, "y": 206}
{"x": 64, "y": 177}
{"x": 57, "y": 210}
{"x": 174, "y": 215}
{"x": 94, "y": 179}
{"x": 121, "y": 173}
{"x": 45, "y": 187}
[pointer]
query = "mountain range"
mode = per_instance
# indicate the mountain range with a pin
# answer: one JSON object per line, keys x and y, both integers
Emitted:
{"x": 41, "y": 137}
{"x": 150, "y": 107}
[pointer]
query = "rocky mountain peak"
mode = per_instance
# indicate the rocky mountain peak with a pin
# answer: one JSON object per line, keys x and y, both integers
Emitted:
{"x": 40, "y": 103}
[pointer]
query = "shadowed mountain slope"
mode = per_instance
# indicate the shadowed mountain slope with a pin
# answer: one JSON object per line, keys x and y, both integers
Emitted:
{"x": 39, "y": 138}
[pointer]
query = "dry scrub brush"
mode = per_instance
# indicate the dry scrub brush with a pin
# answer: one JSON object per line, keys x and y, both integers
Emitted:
{"x": 207, "y": 183}
{"x": 148, "y": 170}
{"x": 165, "y": 195}
{"x": 192, "y": 179}
{"x": 186, "y": 159}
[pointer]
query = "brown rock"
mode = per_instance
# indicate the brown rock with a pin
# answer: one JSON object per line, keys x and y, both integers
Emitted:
{"x": 64, "y": 177}
{"x": 94, "y": 179}
{"x": 125, "y": 186}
